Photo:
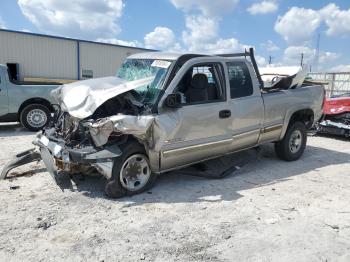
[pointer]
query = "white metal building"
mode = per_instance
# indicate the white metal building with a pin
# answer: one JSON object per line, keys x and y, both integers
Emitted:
{"x": 36, "y": 56}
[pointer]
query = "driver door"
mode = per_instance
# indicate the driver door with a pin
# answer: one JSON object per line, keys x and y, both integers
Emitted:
{"x": 203, "y": 129}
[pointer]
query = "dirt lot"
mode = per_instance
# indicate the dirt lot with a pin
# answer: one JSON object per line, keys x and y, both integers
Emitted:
{"x": 269, "y": 210}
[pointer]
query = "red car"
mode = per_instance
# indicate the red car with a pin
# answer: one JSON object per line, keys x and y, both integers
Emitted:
{"x": 336, "y": 118}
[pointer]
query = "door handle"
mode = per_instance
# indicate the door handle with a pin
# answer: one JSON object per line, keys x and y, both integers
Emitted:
{"x": 225, "y": 113}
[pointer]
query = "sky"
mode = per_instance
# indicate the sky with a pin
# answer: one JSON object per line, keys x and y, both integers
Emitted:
{"x": 279, "y": 30}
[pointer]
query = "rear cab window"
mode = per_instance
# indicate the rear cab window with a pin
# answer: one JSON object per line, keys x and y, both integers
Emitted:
{"x": 240, "y": 80}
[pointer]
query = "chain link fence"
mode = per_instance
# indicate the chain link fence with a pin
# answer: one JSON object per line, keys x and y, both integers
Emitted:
{"x": 336, "y": 83}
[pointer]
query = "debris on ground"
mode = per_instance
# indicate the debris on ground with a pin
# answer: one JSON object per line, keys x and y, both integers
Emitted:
{"x": 290, "y": 209}
{"x": 336, "y": 227}
{"x": 186, "y": 218}
{"x": 45, "y": 223}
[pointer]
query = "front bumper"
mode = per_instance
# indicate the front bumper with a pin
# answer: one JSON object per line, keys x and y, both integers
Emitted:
{"x": 59, "y": 157}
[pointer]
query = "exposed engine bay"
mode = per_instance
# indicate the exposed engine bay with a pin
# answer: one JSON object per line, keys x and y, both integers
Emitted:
{"x": 75, "y": 132}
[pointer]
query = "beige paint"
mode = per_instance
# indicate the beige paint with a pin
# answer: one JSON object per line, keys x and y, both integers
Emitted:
{"x": 38, "y": 56}
{"x": 54, "y": 58}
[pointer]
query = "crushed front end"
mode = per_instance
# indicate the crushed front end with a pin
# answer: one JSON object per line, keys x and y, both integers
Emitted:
{"x": 103, "y": 120}
{"x": 68, "y": 147}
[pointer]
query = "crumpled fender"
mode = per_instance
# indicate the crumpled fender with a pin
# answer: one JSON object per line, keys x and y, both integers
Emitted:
{"x": 126, "y": 124}
{"x": 165, "y": 127}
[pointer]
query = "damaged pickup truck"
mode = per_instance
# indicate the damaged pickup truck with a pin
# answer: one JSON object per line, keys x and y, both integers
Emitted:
{"x": 166, "y": 111}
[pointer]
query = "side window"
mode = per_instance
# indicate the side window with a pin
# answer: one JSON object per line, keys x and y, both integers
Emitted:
{"x": 240, "y": 80}
{"x": 202, "y": 83}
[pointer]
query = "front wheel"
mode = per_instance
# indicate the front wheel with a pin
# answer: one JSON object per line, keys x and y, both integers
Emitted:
{"x": 34, "y": 117}
{"x": 293, "y": 144}
{"x": 131, "y": 173}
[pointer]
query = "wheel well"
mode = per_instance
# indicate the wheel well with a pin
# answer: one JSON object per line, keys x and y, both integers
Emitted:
{"x": 132, "y": 139}
{"x": 306, "y": 116}
{"x": 38, "y": 100}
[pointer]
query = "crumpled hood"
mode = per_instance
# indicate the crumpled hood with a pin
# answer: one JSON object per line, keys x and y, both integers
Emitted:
{"x": 81, "y": 99}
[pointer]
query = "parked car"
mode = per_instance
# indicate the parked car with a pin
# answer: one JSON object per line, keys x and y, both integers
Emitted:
{"x": 166, "y": 111}
{"x": 26, "y": 102}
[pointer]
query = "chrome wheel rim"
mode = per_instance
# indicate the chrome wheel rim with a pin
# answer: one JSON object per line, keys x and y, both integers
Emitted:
{"x": 135, "y": 172}
{"x": 295, "y": 141}
{"x": 36, "y": 118}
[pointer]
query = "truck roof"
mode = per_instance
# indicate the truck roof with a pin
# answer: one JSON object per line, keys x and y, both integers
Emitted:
{"x": 166, "y": 55}
{"x": 156, "y": 55}
{"x": 185, "y": 56}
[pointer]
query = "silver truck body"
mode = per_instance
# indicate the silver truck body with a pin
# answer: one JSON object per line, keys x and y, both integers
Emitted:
{"x": 104, "y": 121}
{"x": 14, "y": 97}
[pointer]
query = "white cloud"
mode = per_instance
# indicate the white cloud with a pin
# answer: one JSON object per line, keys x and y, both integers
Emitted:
{"x": 208, "y": 8}
{"x": 270, "y": 46}
{"x": 202, "y": 19}
{"x": 222, "y": 46}
{"x": 76, "y": 18}
{"x": 292, "y": 56}
{"x": 209, "y": 42}
{"x": 298, "y": 25}
{"x": 194, "y": 37}
{"x": 119, "y": 42}
{"x": 327, "y": 57}
{"x": 264, "y": 7}
{"x": 261, "y": 61}
{"x": 337, "y": 21}
{"x": 2, "y": 23}
{"x": 341, "y": 68}
{"x": 161, "y": 38}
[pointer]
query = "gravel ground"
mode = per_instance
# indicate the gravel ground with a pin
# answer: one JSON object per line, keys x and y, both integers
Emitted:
{"x": 269, "y": 210}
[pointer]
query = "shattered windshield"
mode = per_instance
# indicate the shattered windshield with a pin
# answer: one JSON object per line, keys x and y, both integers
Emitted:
{"x": 137, "y": 69}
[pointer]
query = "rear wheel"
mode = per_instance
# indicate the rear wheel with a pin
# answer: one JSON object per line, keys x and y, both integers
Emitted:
{"x": 293, "y": 144}
{"x": 131, "y": 173}
{"x": 34, "y": 117}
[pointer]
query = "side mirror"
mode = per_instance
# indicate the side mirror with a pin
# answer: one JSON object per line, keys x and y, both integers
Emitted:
{"x": 173, "y": 100}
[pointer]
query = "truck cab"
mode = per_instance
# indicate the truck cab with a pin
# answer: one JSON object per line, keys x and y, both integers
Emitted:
{"x": 222, "y": 110}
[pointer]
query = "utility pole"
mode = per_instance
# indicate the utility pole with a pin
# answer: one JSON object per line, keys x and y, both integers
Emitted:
{"x": 302, "y": 59}
{"x": 317, "y": 55}
{"x": 270, "y": 60}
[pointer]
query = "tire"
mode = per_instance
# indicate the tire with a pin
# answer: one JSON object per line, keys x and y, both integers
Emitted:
{"x": 34, "y": 117}
{"x": 293, "y": 144}
{"x": 118, "y": 186}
